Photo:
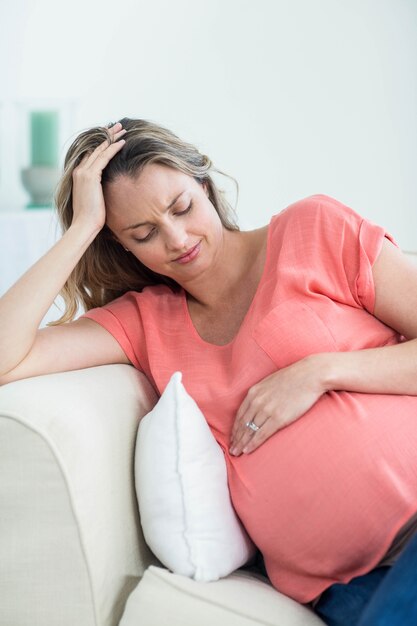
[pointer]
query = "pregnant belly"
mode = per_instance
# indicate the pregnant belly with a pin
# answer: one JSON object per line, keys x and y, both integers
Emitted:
{"x": 326, "y": 496}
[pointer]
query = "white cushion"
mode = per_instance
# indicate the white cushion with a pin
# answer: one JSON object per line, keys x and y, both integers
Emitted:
{"x": 186, "y": 513}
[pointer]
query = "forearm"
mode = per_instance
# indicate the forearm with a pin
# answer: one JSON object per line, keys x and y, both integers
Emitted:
{"x": 389, "y": 369}
{"x": 24, "y": 305}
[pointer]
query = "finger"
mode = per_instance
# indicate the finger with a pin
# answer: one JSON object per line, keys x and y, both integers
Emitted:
{"x": 84, "y": 159}
{"x": 119, "y": 134}
{"x": 116, "y": 131}
{"x": 258, "y": 438}
{"x": 249, "y": 443}
{"x": 104, "y": 145}
{"x": 268, "y": 429}
{"x": 247, "y": 412}
{"x": 100, "y": 158}
{"x": 245, "y": 434}
{"x": 104, "y": 157}
{"x": 242, "y": 428}
{"x": 112, "y": 128}
{"x": 237, "y": 448}
{"x": 239, "y": 415}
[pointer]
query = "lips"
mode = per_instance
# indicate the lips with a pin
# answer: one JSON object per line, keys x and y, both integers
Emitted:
{"x": 189, "y": 255}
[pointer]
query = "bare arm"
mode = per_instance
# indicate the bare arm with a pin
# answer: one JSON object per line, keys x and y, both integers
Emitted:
{"x": 27, "y": 351}
{"x": 71, "y": 346}
{"x": 389, "y": 369}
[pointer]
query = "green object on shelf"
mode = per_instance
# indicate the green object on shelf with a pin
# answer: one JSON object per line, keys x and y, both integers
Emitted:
{"x": 44, "y": 138}
{"x": 41, "y": 207}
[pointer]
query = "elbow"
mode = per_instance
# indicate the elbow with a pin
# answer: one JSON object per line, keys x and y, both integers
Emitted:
{"x": 9, "y": 377}
{"x": 4, "y": 379}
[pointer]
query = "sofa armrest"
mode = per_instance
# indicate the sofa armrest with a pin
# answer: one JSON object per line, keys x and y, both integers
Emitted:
{"x": 71, "y": 546}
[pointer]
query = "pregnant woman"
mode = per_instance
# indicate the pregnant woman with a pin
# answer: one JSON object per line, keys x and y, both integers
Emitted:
{"x": 298, "y": 341}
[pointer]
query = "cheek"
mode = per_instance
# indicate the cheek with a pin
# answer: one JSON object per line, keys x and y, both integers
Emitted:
{"x": 150, "y": 256}
{"x": 215, "y": 220}
{"x": 216, "y": 227}
{"x": 208, "y": 220}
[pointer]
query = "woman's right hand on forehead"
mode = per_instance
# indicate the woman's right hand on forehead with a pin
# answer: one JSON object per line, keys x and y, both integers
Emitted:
{"x": 87, "y": 193}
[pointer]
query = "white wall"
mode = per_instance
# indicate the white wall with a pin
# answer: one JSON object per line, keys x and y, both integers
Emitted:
{"x": 291, "y": 97}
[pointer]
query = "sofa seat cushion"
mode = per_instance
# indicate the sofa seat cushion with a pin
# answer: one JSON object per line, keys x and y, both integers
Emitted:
{"x": 240, "y": 599}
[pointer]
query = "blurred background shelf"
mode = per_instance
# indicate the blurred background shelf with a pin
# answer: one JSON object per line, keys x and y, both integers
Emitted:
{"x": 25, "y": 235}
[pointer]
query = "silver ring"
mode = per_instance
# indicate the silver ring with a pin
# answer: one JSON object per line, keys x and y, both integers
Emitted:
{"x": 252, "y": 426}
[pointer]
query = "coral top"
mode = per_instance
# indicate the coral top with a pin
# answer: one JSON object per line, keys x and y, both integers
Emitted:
{"x": 324, "y": 497}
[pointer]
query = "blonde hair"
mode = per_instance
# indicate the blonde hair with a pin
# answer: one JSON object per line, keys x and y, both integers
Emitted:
{"x": 106, "y": 270}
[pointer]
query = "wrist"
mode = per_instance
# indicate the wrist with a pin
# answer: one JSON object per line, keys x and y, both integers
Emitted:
{"x": 84, "y": 231}
{"x": 324, "y": 366}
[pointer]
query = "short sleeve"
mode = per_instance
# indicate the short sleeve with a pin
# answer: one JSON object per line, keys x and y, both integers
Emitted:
{"x": 122, "y": 319}
{"x": 342, "y": 245}
{"x": 370, "y": 239}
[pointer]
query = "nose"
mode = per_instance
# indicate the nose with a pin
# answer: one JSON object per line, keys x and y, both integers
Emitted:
{"x": 175, "y": 237}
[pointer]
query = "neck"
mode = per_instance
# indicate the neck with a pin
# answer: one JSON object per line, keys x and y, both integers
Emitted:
{"x": 232, "y": 267}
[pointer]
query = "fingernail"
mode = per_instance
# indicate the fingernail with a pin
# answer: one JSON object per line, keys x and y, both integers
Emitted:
{"x": 233, "y": 451}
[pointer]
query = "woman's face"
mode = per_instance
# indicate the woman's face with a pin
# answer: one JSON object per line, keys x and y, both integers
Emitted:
{"x": 165, "y": 218}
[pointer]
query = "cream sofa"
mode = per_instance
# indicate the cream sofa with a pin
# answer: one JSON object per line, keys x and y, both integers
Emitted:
{"x": 71, "y": 548}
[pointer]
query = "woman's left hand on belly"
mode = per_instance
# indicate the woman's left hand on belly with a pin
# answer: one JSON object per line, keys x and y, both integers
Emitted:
{"x": 275, "y": 402}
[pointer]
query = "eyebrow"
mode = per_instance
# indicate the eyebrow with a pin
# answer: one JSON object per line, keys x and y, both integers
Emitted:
{"x": 171, "y": 204}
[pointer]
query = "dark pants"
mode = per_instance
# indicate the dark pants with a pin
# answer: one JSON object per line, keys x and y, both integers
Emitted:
{"x": 385, "y": 596}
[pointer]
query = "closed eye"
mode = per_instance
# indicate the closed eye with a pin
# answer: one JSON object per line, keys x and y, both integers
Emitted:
{"x": 152, "y": 232}
{"x": 148, "y": 236}
{"x": 187, "y": 210}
